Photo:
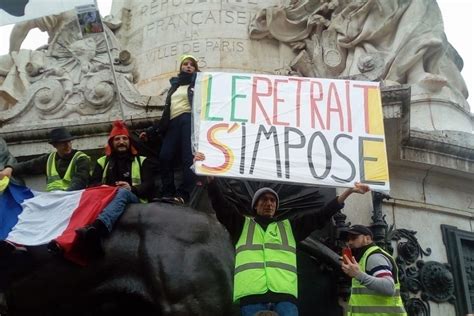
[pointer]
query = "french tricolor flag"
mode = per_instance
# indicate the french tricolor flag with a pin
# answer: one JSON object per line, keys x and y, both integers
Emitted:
{"x": 35, "y": 218}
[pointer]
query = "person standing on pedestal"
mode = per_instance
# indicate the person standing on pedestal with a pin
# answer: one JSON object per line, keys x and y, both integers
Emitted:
{"x": 175, "y": 128}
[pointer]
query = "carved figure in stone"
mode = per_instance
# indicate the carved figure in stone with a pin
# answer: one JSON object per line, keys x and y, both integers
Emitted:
{"x": 13, "y": 66}
{"x": 397, "y": 42}
{"x": 72, "y": 74}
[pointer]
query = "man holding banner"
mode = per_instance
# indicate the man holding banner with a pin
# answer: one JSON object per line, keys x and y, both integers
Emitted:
{"x": 265, "y": 276}
{"x": 311, "y": 131}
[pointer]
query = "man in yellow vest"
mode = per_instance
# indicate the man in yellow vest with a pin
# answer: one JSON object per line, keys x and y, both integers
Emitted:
{"x": 375, "y": 285}
{"x": 122, "y": 167}
{"x": 66, "y": 169}
{"x": 265, "y": 277}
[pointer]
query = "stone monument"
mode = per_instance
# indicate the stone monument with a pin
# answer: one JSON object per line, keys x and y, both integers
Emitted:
{"x": 69, "y": 82}
{"x": 401, "y": 43}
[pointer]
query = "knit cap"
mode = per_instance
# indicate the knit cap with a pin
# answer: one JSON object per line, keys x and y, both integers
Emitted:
{"x": 182, "y": 58}
{"x": 119, "y": 128}
{"x": 262, "y": 191}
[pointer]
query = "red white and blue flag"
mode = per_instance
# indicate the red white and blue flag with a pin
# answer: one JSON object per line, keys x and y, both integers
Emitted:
{"x": 35, "y": 218}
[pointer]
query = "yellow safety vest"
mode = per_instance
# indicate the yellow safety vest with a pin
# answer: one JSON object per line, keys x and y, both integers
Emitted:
{"x": 365, "y": 302}
{"x": 53, "y": 180}
{"x": 265, "y": 260}
{"x": 136, "y": 174}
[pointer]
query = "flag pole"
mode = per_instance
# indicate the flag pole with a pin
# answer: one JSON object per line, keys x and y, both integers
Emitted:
{"x": 114, "y": 75}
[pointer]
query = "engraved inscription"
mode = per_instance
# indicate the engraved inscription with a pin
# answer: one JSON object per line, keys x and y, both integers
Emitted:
{"x": 193, "y": 47}
{"x": 157, "y": 6}
{"x": 206, "y": 17}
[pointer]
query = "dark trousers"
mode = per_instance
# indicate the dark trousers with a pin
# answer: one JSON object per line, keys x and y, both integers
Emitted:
{"x": 177, "y": 138}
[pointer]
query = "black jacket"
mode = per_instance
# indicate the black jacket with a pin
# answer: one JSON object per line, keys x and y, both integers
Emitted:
{"x": 119, "y": 168}
{"x": 161, "y": 127}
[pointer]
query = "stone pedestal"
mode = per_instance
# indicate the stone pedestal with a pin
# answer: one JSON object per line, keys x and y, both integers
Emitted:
{"x": 215, "y": 32}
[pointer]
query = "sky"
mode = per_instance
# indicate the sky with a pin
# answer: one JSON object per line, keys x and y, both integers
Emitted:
{"x": 458, "y": 17}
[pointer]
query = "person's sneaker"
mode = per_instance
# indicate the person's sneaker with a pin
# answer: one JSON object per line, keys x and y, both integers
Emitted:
{"x": 91, "y": 241}
{"x": 176, "y": 200}
{"x": 54, "y": 248}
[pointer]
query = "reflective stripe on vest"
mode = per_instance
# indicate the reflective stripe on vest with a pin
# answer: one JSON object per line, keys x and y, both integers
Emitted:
{"x": 265, "y": 260}
{"x": 136, "y": 172}
{"x": 367, "y": 302}
{"x": 53, "y": 180}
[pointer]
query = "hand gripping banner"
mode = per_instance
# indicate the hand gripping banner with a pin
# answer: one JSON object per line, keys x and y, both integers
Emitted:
{"x": 290, "y": 129}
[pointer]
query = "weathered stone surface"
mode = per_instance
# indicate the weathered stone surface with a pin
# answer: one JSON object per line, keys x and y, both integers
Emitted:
{"x": 396, "y": 42}
{"x": 214, "y": 31}
{"x": 67, "y": 83}
{"x": 401, "y": 43}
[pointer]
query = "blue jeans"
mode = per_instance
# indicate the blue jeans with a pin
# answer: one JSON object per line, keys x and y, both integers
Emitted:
{"x": 177, "y": 138}
{"x": 111, "y": 213}
{"x": 281, "y": 308}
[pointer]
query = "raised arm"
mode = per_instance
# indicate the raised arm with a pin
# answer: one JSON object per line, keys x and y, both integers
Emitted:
{"x": 304, "y": 225}
{"x": 358, "y": 188}
{"x": 226, "y": 212}
{"x": 19, "y": 33}
{"x": 33, "y": 166}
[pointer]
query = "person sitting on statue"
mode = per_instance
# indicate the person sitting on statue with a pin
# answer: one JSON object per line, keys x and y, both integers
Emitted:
{"x": 66, "y": 169}
{"x": 265, "y": 276}
{"x": 375, "y": 285}
{"x": 123, "y": 167}
{"x": 175, "y": 128}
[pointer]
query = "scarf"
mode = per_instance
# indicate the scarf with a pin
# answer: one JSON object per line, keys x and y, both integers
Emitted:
{"x": 185, "y": 78}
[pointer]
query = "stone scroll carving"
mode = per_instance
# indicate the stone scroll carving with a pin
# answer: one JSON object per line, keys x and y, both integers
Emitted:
{"x": 421, "y": 281}
{"x": 397, "y": 42}
{"x": 70, "y": 76}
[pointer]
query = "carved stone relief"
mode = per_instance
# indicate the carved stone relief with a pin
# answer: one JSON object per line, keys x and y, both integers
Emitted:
{"x": 72, "y": 76}
{"x": 396, "y": 42}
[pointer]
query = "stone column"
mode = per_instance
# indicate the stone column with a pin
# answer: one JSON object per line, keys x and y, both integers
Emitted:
{"x": 157, "y": 32}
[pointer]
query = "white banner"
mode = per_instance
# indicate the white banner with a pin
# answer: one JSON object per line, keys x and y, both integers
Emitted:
{"x": 14, "y": 11}
{"x": 290, "y": 129}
